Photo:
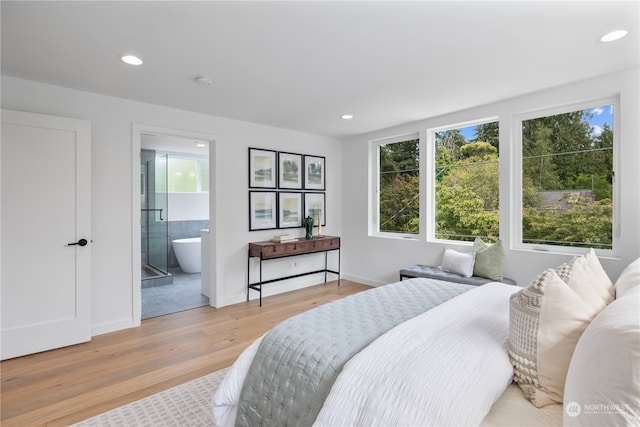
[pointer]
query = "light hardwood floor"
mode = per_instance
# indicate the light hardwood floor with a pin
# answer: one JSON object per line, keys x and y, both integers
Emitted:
{"x": 67, "y": 385}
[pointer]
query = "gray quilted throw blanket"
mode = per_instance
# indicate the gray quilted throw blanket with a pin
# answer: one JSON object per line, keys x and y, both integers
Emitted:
{"x": 299, "y": 359}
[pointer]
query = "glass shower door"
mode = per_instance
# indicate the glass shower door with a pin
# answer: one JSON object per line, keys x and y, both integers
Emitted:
{"x": 155, "y": 227}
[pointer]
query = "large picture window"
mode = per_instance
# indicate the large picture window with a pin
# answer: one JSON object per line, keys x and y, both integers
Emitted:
{"x": 568, "y": 177}
{"x": 398, "y": 185}
{"x": 467, "y": 184}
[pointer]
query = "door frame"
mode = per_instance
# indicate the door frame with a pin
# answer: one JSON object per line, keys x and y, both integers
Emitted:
{"x": 137, "y": 130}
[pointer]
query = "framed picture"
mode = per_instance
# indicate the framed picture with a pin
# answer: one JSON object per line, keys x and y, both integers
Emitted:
{"x": 262, "y": 210}
{"x": 314, "y": 178}
{"x": 289, "y": 210}
{"x": 262, "y": 168}
{"x": 314, "y": 206}
{"x": 290, "y": 171}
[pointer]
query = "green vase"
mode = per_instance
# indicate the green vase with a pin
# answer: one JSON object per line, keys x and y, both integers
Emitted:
{"x": 308, "y": 226}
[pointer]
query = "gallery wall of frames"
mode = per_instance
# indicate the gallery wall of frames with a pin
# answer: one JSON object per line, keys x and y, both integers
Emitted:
{"x": 285, "y": 188}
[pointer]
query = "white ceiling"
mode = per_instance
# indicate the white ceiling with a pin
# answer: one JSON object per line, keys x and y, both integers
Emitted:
{"x": 300, "y": 65}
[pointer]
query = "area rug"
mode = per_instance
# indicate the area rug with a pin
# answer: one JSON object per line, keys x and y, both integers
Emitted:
{"x": 188, "y": 404}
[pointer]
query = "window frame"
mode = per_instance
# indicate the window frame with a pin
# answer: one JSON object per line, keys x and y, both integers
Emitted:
{"x": 186, "y": 156}
{"x": 431, "y": 176}
{"x": 374, "y": 186}
{"x": 517, "y": 181}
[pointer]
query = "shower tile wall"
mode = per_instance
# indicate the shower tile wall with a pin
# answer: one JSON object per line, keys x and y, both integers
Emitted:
{"x": 183, "y": 230}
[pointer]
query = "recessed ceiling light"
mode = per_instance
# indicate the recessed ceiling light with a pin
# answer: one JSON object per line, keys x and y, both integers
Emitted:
{"x": 346, "y": 116}
{"x": 200, "y": 144}
{"x": 613, "y": 35}
{"x": 204, "y": 80}
{"x": 131, "y": 60}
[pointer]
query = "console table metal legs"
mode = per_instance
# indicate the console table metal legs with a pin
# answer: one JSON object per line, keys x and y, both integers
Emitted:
{"x": 258, "y": 286}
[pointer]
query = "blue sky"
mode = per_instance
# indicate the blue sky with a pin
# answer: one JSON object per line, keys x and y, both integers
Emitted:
{"x": 468, "y": 132}
{"x": 601, "y": 115}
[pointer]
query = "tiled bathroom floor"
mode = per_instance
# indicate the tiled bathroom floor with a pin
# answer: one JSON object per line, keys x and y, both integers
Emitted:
{"x": 182, "y": 294}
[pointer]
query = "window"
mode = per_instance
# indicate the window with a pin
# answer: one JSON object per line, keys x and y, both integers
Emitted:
{"x": 567, "y": 177}
{"x": 184, "y": 174}
{"x": 466, "y": 182}
{"x": 397, "y": 167}
{"x": 203, "y": 173}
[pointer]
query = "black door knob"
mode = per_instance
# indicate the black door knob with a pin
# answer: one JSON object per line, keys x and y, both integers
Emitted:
{"x": 81, "y": 242}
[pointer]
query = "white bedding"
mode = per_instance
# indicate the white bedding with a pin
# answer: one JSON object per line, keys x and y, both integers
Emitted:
{"x": 225, "y": 401}
{"x": 512, "y": 409}
{"x": 445, "y": 367}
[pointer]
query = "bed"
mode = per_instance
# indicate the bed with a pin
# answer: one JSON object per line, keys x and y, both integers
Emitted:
{"x": 417, "y": 352}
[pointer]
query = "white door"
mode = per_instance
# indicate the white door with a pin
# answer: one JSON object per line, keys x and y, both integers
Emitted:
{"x": 45, "y": 185}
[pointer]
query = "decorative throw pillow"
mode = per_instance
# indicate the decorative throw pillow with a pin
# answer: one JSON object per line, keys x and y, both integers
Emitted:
{"x": 548, "y": 318}
{"x": 589, "y": 285}
{"x": 600, "y": 274}
{"x": 629, "y": 278}
{"x": 546, "y": 321}
{"x": 603, "y": 381}
{"x": 489, "y": 259}
{"x": 458, "y": 262}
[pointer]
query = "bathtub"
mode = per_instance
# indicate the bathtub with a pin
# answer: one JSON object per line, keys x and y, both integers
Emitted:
{"x": 188, "y": 254}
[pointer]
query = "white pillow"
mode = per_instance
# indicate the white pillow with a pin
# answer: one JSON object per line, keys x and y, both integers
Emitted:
{"x": 587, "y": 283}
{"x": 458, "y": 262}
{"x": 599, "y": 273}
{"x": 629, "y": 278}
{"x": 603, "y": 381}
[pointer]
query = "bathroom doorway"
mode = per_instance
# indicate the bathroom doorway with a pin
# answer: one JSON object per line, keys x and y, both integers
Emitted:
{"x": 174, "y": 218}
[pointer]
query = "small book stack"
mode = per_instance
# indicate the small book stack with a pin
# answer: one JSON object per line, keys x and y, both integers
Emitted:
{"x": 282, "y": 238}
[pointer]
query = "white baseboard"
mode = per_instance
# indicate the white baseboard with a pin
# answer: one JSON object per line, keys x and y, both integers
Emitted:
{"x": 362, "y": 280}
{"x": 105, "y": 328}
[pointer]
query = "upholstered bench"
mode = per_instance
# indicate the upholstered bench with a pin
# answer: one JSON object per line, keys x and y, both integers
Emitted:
{"x": 431, "y": 272}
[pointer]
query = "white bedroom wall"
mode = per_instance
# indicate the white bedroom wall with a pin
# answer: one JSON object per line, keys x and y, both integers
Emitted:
{"x": 376, "y": 260}
{"x": 111, "y": 123}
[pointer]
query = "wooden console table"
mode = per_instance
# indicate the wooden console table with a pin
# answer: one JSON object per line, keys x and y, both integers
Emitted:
{"x": 269, "y": 250}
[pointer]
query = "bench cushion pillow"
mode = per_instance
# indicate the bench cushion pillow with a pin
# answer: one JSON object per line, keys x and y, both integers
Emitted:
{"x": 458, "y": 262}
{"x": 489, "y": 261}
